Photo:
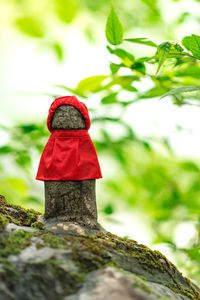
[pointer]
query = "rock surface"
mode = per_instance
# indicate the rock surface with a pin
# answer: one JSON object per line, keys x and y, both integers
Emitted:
{"x": 38, "y": 265}
{"x": 110, "y": 283}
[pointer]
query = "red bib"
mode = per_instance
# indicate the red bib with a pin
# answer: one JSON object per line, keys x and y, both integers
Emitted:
{"x": 69, "y": 155}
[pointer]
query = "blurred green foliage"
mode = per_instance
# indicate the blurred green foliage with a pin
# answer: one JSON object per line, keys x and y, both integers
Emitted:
{"x": 47, "y": 21}
{"x": 158, "y": 184}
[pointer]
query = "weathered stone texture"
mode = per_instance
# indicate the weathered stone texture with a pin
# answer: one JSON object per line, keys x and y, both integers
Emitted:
{"x": 67, "y": 117}
{"x": 73, "y": 200}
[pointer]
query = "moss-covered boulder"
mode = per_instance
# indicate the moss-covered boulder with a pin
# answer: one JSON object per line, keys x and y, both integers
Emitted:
{"x": 36, "y": 264}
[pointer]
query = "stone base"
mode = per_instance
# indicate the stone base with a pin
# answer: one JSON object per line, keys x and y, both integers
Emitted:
{"x": 59, "y": 226}
{"x": 75, "y": 200}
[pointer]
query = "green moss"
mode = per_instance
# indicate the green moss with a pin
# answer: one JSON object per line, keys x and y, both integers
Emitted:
{"x": 142, "y": 277}
{"x": 38, "y": 225}
{"x": 53, "y": 241}
{"x": 92, "y": 252}
{"x": 3, "y": 222}
{"x": 88, "y": 253}
{"x": 16, "y": 242}
{"x": 8, "y": 271}
{"x": 150, "y": 260}
{"x": 141, "y": 284}
{"x": 186, "y": 292}
{"x": 39, "y": 245}
{"x": 17, "y": 215}
{"x": 69, "y": 281}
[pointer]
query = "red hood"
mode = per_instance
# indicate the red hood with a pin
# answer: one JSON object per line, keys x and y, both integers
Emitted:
{"x": 69, "y": 100}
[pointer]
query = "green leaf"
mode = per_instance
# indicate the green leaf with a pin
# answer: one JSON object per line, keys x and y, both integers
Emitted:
{"x": 154, "y": 92}
{"x": 28, "y": 128}
{"x": 143, "y": 41}
{"x": 66, "y": 10}
{"x": 130, "y": 88}
{"x": 112, "y": 98}
{"x": 127, "y": 58}
{"x": 23, "y": 159}
{"x": 189, "y": 88}
{"x": 167, "y": 50}
{"x": 183, "y": 17}
{"x": 6, "y": 149}
{"x": 162, "y": 53}
{"x": 34, "y": 199}
{"x": 121, "y": 53}
{"x": 114, "y": 68}
{"x": 146, "y": 59}
{"x": 192, "y": 43}
{"x": 30, "y": 26}
{"x": 189, "y": 166}
{"x": 64, "y": 87}
{"x": 193, "y": 253}
{"x": 114, "y": 29}
{"x": 90, "y": 84}
{"x": 190, "y": 70}
{"x": 108, "y": 209}
{"x": 59, "y": 51}
{"x": 186, "y": 42}
{"x": 139, "y": 66}
{"x": 123, "y": 81}
{"x": 175, "y": 48}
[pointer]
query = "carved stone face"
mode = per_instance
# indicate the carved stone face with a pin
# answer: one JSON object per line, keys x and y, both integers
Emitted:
{"x": 67, "y": 117}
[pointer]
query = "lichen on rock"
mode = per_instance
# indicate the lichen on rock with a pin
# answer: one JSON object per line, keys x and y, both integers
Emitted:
{"x": 36, "y": 263}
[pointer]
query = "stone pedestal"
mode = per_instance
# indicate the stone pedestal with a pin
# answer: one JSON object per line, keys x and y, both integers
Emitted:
{"x": 75, "y": 201}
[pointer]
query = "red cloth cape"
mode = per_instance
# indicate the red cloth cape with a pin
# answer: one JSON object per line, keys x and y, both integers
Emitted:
{"x": 69, "y": 154}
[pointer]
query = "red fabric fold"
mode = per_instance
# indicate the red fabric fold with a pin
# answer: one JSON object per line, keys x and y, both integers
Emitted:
{"x": 69, "y": 155}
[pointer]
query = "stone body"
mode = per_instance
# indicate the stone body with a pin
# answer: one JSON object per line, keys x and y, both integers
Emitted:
{"x": 72, "y": 201}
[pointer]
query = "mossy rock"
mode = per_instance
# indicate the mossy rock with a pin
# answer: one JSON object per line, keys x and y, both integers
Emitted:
{"x": 35, "y": 264}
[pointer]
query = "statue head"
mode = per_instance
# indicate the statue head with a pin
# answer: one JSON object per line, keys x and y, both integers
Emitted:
{"x": 68, "y": 113}
{"x": 67, "y": 117}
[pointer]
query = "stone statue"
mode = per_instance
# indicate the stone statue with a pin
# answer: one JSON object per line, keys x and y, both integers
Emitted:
{"x": 69, "y": 167}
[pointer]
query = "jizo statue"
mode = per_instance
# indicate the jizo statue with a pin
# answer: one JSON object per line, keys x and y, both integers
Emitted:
{"x": 69, "y": 165}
